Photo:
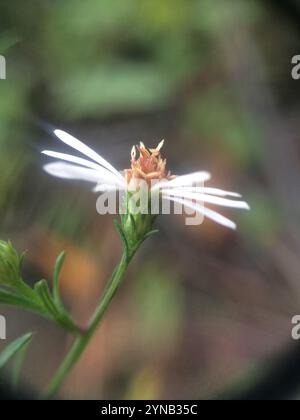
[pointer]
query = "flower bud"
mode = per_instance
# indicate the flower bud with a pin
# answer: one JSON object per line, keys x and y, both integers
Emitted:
{"x": 10, "y": 264}
{"x": 138, "y": 220}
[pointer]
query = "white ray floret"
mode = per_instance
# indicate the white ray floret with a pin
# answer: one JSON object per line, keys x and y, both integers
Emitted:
{"x": 216, "y": 217}
{"x": 208, "y": 190}
{"x": 87, "y": 151}
{"x": 69, "y": 171}
{"x": 73, "y": 159}
{"x": 205, "y": 198}
{"x": 88, "y": 164}
{"x": 184, "y": 180}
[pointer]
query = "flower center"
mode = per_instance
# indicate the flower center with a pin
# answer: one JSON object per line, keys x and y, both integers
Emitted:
{"x": 148, "y": 166}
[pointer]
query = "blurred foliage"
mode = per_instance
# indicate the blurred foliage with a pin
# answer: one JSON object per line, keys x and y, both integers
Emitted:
{"x": 264, "y": 224}
{"x": 209, "y": 117}
{"x": 102, "y": 57}
{"x": 7, "y": 41}
{"x": 146, "y": 385}
{"x": 66, "y": 219}
{"x": 158, "y": 302}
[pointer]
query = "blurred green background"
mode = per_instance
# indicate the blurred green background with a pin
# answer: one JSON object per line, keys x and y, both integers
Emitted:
{"x": 200, "y": 305}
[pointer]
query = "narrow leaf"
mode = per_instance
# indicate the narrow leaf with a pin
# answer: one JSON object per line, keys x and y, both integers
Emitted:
{"x": 13, "y": 348}
{"x": 58, "y": 314}
{"x": 11, "y": 298}
{"x": 18, "y": 364}
{"x": 43, "y": 291}
{"x": 58, "y": 266}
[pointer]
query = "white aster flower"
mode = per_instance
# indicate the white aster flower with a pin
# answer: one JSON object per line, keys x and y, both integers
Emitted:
{"x": 149, "y": 167}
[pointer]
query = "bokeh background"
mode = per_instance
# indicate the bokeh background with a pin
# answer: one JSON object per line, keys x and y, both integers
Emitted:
{"x": 201, "y": 308}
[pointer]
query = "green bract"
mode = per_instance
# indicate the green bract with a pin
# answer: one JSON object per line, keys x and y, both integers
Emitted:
{"x": 135, "y": 226}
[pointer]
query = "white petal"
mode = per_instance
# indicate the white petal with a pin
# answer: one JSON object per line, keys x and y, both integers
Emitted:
{"x": 83, "y": 162}
{"x": 207, "y": 199}
{"x": 68, "y": 171}
{"x": 184, "y": 180}
{"x": 87, "y": 151}
{"x": 208, "y": 190}
{"x": 216, "y": 217}
{"x": 71, "y": 158}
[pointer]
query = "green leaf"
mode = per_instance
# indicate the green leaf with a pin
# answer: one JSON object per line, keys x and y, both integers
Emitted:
{"x": 42, "y": 289}
{"x": 58, "y": 266}
{"x": 10, "y": 298}
{"x": 13, "y": 348}
{"x": 18, "y": 364}
{"x": 57, "y": 313}
{"x": 14, "y": 291}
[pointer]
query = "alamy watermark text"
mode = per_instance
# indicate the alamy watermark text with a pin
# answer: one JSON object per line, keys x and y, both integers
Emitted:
{"x": 2, "y": 67}
{"x": 2, "y": 328}
{"x": 296, "y": 67}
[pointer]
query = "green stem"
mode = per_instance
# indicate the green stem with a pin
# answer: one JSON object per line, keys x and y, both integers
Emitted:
{"x": 82, "y": 341}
